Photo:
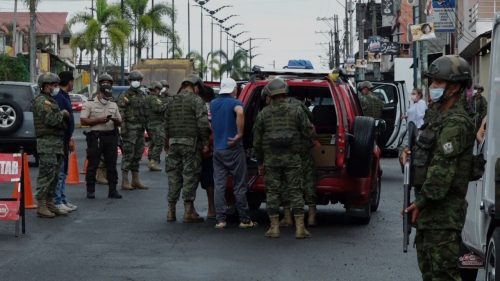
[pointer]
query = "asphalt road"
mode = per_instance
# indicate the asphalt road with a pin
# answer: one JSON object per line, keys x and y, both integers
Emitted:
{"x": 129, "y": 239}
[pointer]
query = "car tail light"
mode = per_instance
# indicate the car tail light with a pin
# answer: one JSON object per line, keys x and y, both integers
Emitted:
{"x": 341, "y": 147}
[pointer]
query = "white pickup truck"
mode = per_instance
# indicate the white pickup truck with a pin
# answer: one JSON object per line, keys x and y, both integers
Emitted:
{"x": 481, "y": 233}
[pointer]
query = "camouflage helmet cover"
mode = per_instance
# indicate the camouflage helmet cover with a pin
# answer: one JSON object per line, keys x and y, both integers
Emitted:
{"x": 451, "y": 68}
{"x": 365, "y": 84}
{"x": 193, "y": 79}
{"x": 135, "y": 75}
{"x": 105, "y": 77}
{"x": 275, "y": 87}
{"x": 48, "y": 78}
{"x": 155, "y": 85}
{"x": 164, "y": 83}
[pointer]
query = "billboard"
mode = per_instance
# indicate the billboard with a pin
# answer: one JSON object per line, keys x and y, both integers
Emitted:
{"x": 443, "y": 15}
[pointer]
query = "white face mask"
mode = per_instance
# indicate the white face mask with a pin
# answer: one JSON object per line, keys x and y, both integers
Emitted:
{"x": 55, "y": 92}
{"x": 436, "y": 94}
{"x": 135, "y": 84}
{"x": 163, "y": 90}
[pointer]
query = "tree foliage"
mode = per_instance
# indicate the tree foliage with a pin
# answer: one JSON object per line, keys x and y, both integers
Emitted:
{"x": 14, "y": 68}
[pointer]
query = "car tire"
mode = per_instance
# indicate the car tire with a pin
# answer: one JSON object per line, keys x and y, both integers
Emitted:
{"x": 492, "y": 261}
{"x": 361, "y": 150}
{"x": 11, "y": 117}
{"x": 254, "y": 201}
{"x": 377, "y": 189}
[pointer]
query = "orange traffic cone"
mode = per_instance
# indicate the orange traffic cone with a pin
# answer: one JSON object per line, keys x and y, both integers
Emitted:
{"x": 73, "y": 175}
{"x": 85, "y": 166}
{"x": 29, "y": 203}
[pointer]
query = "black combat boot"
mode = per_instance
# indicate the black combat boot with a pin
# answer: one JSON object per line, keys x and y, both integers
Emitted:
{"x": 113, "y": 193}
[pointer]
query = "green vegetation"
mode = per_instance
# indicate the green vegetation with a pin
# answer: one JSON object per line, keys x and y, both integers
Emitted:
{"x": 14, "y": 68}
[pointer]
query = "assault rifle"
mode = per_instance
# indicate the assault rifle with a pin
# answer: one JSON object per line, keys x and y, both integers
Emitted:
{"x": 411, "y": 134}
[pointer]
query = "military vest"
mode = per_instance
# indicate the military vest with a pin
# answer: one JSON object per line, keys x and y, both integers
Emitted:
{"x": 40, "y": 114}
{"x": 281, "y": 134}
{"x": 134, "y": 112}
{"x": 155, "y": 109}
{"x": 182, "y": 116}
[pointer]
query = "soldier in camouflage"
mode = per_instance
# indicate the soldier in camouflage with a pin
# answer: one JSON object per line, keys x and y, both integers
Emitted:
{"x": 370, "y": 104}
{"x": 279, "y": 131}
{"x": 132, "y": 109}
{"x": 308, "y": 171}
{"x": 448, "y": 137}
{"x": 187, "y": 130}
{"x": 49, "y": 128}
{"x": 156, "y": 125}
{"x": 479, "y": 106}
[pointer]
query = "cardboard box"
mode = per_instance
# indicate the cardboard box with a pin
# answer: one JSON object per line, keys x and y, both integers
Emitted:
{"x": 324, "y": 156}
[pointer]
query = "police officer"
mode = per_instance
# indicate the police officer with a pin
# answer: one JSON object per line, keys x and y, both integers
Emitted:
{"x": 370, "y": 104}
{"x": 187, "y": 131}
{"x": 103, "y": 117}
{"x": 479, "y": 106}
{"x": 156, "y": 125}
{"x": 444, "y": 147}
{"x": 100, "y": 175}
{"x": 132, "y": 109}
{"x": 49, "y": 128}
{"x": 279, "y": 131}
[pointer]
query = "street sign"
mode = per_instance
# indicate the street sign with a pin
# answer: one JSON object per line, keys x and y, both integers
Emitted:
{"x": 443, "y": 15}
{"x": 10, "y": 167}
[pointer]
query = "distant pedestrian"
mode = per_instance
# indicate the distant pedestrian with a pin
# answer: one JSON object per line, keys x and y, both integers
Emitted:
{"x": 479, "y": 106}
{"x": 228, "y": 122}
{"x": 187, "y": 130}
{"x": 103, "y": 116}
{"x": 50, "y": 123}
{"x": 64, "y": 102}
{"x": 417, "y": 109}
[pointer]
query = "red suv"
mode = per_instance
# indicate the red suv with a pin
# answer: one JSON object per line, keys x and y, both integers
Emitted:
{"x": 348, "y": 161}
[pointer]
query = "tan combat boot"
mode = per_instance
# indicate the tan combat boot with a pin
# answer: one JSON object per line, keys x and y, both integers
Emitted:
{"x": 42, "y": 211}
{"x": 135, "y": 181}
{"x": 171, "y": 212}
{"x": 52, "y": 207}
{"x": 190, "y": 214}
{"x": 287, "y": 217}
{"x": 300, "y": 230}
{"x": 125, "y": 183}
{"x": 311, "y": 216}
{"x": 100, "y": 176}
{"x": 274, "y": 228}
{"x": 153, "y": 166}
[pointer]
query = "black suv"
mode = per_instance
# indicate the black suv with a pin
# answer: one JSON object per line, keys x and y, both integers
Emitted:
{"x": 16, "y": 117}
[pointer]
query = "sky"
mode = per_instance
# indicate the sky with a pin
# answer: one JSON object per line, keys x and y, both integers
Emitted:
{"x": 291, "y": 26}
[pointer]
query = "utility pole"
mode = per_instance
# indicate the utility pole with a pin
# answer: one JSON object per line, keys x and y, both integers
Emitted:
{"x": 122, "y": 59}
{"x": 91, "y": 86}
{"x": 337, "y": 41}
{"x": 32, "y": 31}
{"x": 189, "y": 27}
{"x": 351, "y": 29}
{"x": 152, "y": 33}
{"x": 423, "y": 47}
{"x": 346, "y": 31}
{"x": 14, "y": 29}
{"x": 173, "y": 29}
{"x": 361, "y": 35}
{"x": 376, "y": 65}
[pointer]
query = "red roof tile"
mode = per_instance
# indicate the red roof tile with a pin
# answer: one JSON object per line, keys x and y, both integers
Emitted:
{"x": 47, "y": 22}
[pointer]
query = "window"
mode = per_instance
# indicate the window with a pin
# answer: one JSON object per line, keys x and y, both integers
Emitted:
{"x": 66, "y": 40}
{"x": 387, "y": 94}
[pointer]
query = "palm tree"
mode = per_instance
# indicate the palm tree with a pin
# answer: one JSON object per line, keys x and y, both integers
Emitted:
{"x": 199, "y": 62}
{"x": 108, "y": 21}
{"x": 78, "y": 42}
{"x": 236, "y": 66}
{"x": 146, "y": 22}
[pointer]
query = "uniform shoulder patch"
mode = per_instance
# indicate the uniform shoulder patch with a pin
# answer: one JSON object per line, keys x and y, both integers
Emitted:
{"x": 448, "y": 148}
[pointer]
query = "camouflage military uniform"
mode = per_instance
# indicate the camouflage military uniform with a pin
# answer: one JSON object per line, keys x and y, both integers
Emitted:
{"x": 187, "y": 130}
{"x": 479, "y": 108}
{"x": 371, "y": 105}
{"x": 278, "y": 134}
{"x": 132, "y": 109}
{"x": 442, "y": 201}
{"x": 156, "y": 125}
{"x": 49, "y": 128}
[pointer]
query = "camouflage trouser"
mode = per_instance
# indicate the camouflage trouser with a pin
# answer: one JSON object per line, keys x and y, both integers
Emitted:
{"x": 133, "y": 147}
{"x": 308, "y": 181}
{"x": 156, "y": 142}
{"x": 48, "y": 175}
{"x": 280, "y": 182}
{"x": 437, "y": 254}
{"x": 183, "y": 171}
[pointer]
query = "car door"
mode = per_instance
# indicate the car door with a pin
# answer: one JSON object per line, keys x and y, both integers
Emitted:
{"x": 393, "y": 94}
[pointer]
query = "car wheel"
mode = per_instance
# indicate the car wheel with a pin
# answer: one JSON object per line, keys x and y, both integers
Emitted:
{"x": 11, "y": 117}
{"x": 361, "y": 150}
{"x": 492, "y": 262}
{"x": 377, "y": 188}
{"x": 254, "y": 201}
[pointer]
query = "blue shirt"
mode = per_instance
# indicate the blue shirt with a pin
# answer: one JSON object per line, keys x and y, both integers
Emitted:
{"x": 64, "y": 102}
{"x": 224, "y": 120}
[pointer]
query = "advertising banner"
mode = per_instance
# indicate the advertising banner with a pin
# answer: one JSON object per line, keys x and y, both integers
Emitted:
{"x": 443, "y": 15}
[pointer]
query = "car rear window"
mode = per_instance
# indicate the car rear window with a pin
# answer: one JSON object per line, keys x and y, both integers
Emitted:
{"x": 21, "y": 94}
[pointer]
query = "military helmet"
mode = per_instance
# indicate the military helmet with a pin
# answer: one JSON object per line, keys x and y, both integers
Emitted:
{"x": 275, "y": 87}
{"x": 164, "y": 83}
{"x": 365, "y": 84}
{"x": 135, "y": 75}
{"x": 451, "y": 68}
{"x": 479, "y": 87}
{"x": 105, "y": 77}
{"x": 155, "y": 85}
{"x": 48, "y": 78}
{"x": 193, "y": 79}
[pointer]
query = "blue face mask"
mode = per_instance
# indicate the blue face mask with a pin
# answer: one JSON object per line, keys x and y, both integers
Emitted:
{"x": 436, "y": 94}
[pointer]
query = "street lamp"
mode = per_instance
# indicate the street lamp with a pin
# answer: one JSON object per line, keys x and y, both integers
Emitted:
{"x": 250, "y": 48}
{"x": 211, "y": 13}
{"x": 201, "y": 3}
